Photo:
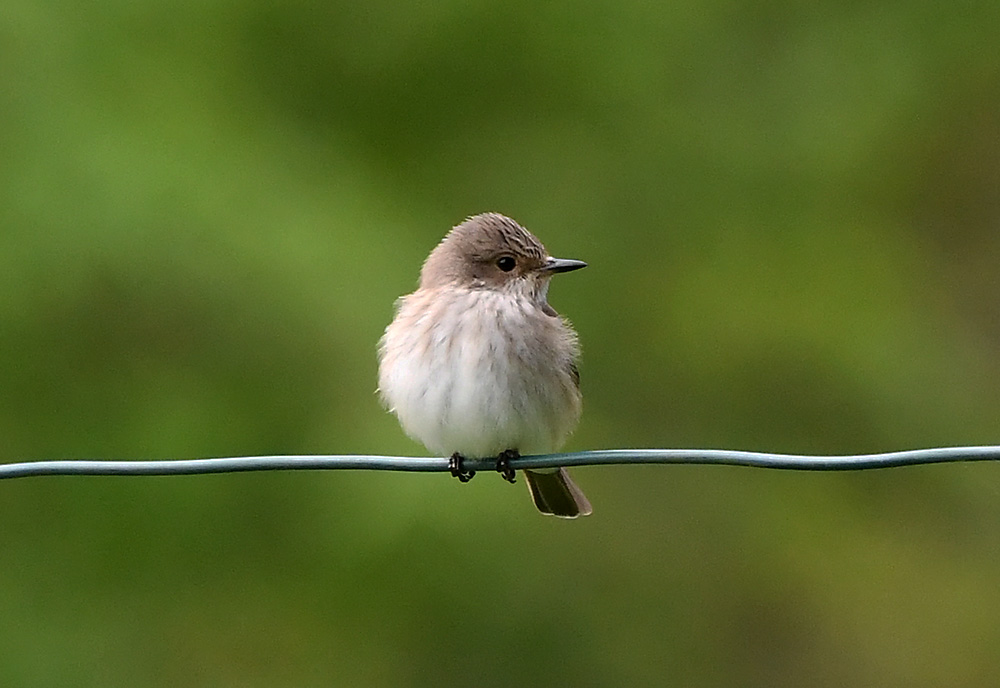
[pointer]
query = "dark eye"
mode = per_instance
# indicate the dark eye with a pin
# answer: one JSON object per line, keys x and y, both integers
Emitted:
{"x": 506, "y": 263}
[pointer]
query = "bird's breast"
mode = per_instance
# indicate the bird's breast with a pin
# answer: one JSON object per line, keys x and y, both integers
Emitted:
{"x": 478, "y": 372}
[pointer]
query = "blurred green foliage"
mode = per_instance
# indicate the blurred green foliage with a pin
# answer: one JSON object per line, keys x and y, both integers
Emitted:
{"x": 791, "y": 213}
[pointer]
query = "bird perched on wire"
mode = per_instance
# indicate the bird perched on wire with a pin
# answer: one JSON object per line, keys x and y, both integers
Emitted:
{"x": 477, "y": 364}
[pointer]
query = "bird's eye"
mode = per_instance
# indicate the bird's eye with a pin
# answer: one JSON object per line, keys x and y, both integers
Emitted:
{"x": 506, "y": 263}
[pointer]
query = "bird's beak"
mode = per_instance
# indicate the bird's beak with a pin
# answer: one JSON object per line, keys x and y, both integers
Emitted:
{"x": 562, "y": 265}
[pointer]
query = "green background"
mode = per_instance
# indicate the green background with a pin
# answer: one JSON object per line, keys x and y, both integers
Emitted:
{"x": 791, "y": 213}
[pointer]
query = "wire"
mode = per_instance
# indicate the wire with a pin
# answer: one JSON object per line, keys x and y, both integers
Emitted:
{"x": 431, "y": 464}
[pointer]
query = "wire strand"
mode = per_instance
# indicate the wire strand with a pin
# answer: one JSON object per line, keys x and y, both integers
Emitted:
{"x": 726, "y": 457}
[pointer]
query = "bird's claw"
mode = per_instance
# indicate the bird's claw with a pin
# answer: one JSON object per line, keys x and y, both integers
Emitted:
{"x": 455, "y": 466}
{"x": 503, "y": 464}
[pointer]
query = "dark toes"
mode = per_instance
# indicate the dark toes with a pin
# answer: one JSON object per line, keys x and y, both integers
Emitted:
{"x": 503, "y": 464}
{"x": 456, "y": 469}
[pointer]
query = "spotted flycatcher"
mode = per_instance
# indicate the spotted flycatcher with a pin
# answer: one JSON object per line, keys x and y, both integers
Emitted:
{"x": 477, "y": 363}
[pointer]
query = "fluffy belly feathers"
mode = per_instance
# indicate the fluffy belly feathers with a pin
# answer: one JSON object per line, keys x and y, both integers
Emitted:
{"x": 465, "y": 375}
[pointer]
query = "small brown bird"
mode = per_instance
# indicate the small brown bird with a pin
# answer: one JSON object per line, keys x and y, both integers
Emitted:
{"x": 477, "y": 364}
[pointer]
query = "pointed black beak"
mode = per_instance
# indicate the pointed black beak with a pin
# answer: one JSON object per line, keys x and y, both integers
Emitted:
{"x": 562, "y": 265}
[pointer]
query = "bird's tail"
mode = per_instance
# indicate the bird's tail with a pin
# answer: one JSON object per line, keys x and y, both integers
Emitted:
{"x": 556, "y": 495}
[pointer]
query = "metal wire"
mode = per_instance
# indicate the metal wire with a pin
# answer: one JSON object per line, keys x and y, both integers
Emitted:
{"x": 431, "y": 464}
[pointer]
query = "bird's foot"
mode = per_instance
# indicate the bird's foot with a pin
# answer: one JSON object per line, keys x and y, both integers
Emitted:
{"x": 503, "y": 464}
{"x": 455, "y": 466}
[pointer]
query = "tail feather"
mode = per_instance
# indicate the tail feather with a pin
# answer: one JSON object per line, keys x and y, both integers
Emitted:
{"x": 555, "y": 494}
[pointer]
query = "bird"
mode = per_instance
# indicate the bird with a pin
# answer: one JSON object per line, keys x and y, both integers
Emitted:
{"x": 477, "y": 364}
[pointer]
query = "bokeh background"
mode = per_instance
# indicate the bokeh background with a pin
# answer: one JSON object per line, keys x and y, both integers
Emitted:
{"x": 791, "y": 213}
